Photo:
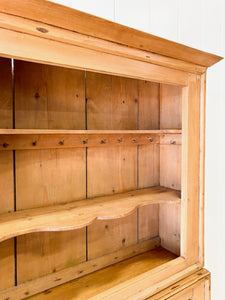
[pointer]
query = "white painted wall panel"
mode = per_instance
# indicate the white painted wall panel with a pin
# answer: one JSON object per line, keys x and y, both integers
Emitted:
{"x": 164, "y": 18}
{"x": 190, "y": 23}
{"x": 100, "y": 8}
{"x": 133, "y": 13}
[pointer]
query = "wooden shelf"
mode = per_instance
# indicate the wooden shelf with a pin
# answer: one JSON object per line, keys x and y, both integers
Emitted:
{"x": 81, "y": 132}
{"x": 94, "y": 284}
{"x": 26, "y": 139}
{"x": 81, "y": 213}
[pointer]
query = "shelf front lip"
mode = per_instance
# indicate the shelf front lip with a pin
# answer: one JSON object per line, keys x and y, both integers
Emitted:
{"x": 84, "y": 132}
{"x": 154, "y": 281}
{"x": 28, "y": 139}
{"x": 151, "y": 282}
{"x": 81, "y": 213}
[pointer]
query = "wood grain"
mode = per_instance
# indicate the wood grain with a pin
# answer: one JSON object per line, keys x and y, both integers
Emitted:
{"x": 70, "y": 37}
{"x": 94, "y": 284}
{"x": 116, "y": 234}
{"x": 189, "y": 286}
{"x": 148, "y": 222}
{"x": 49, "y": 252}
{"x": 81, "y": 213}
{"x": 148, "y": 156}
{"x": 54, "y": 14}
{"x": 149, "y": 105}
{"x": 6, "y": 174}
{"x": 27, "y": 47}
{"x": 17, "y": 140}
{"x": 169, "y": 227}
{"x": 121, "y": 96}
{"x": 112, "y": 169}
{"x": 51, "y": 280}
{"x": 49, "y": 97}
{"x": 170, "y": 106}
{"x": 48, "y": 175}
{"x": 170, "y": 166}
{"x": 6, "y": 114}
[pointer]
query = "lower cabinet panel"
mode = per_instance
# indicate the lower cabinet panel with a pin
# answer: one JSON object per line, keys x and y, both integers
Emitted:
{"x": 193, "y": 287}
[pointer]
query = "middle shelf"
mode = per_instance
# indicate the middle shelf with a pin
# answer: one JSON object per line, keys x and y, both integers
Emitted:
{"x": 81, "y": 213}
{"x": 28, "y": 139}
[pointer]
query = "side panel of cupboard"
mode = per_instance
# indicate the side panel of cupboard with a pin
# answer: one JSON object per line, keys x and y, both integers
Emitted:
{"x": 195, "y": 292}
{"x": 6, "y": 174}
{"x": 193, "y": 287}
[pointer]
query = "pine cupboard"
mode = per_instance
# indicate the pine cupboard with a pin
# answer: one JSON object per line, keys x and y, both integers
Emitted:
{"x": 101, "y": 159}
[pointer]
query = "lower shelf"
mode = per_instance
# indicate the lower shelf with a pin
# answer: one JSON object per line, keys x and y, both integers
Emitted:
{"x": 102, "y": 280}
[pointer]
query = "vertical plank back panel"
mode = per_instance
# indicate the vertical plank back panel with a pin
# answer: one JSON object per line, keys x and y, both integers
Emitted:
{"x": 6, "y": 101}
{"x": 6, "y": 174}
{"x": 148, "y": 162}
{"x": 149, "y": 105}
{"x": 53, "y": 176}
{"x": 170, "y": 106}
{"x": 48, "y": 97}
{"x": 53, "y": 98}
{"x": 170, "y": 166}
{"x": 111, "y": 104}
{"x": 169, "y": 227}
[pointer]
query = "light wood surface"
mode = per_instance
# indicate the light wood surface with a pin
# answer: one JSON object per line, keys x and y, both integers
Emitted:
{"x": 70, "y": 37}
{"x": 170, "y": 106}
{"x": 59, "y": 277}
{"x": 111, "y": 102}
{"x": 81, "y": 213}
{"x": 149, "y": 106}
{"x": 45, "y": 97}
{"x": 93, "y": 284}
{"x": 48, "y": 97}
{"x": 7, "y": 261}
{"x": 19, "y": 139}
{"x": 27, "y": 47}
{"x": 6, "y": 101}
{"x": 54, "y": 14}
{"x": 101, "y": 136}
{"x": 193, "y": 168}
{"x": 195, "y": 286}
{"x": 111, "y": 169}
{"x": 83, "y": 132}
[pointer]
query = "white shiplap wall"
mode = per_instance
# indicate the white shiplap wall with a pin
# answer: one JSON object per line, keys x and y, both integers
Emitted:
{"x": 200, "y": 24}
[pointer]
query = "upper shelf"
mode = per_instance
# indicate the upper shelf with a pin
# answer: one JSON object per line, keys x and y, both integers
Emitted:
{"x": 81, "y": 213}
{"x": 25, "y": 139}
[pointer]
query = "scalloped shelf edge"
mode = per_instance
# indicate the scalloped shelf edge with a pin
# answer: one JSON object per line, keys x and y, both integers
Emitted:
{"x": 81, "y": 213}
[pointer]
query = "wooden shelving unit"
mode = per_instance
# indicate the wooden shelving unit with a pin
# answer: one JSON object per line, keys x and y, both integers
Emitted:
{"x": 79, "y": 214}
{"x": 101, "y": 157}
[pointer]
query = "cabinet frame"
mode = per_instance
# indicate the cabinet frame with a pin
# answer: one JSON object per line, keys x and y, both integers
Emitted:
{"x": 29, "y": 36}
